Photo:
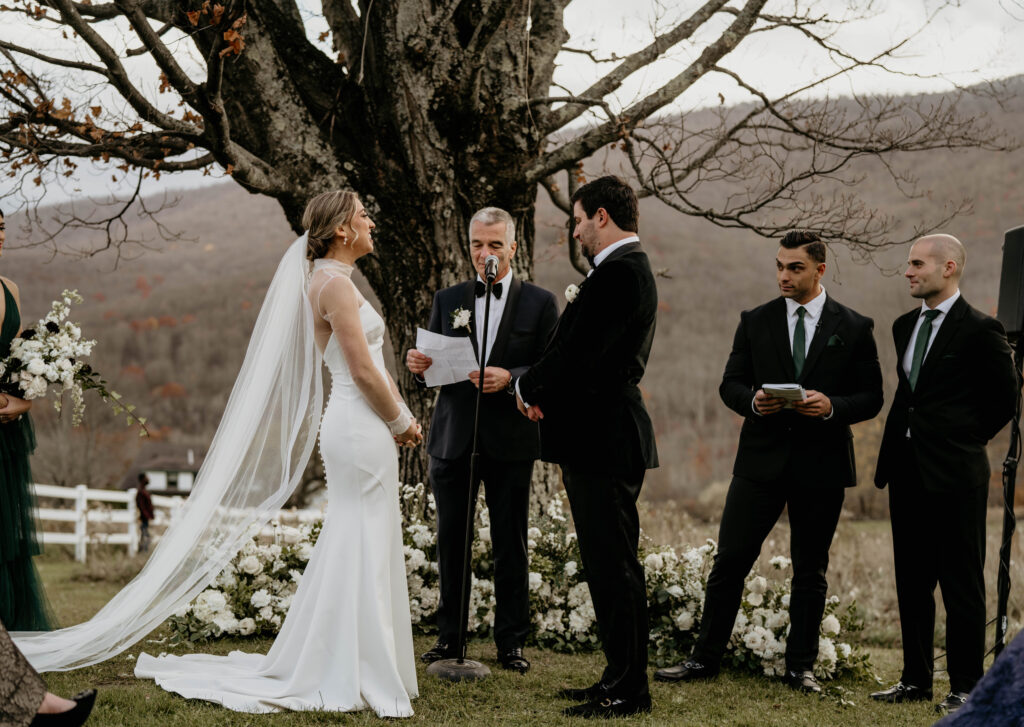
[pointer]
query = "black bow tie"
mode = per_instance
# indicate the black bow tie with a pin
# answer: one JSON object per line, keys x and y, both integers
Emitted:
{"x": 481, "y": 289}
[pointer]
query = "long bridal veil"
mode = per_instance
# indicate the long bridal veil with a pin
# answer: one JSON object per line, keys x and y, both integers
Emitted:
{"x": 257, "y": 456}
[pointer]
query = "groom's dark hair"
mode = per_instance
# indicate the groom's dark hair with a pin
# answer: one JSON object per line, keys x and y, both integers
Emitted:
{"x": 617, "y": 199}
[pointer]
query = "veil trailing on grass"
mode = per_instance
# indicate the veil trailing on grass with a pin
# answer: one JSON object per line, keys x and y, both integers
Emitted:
{"x": 257, "y": 456}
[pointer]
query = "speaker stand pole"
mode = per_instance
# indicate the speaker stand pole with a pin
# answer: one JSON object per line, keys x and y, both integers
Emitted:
{"x": 1009, "y": 517}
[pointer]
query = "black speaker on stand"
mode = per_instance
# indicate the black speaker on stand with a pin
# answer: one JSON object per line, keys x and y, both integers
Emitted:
{"x": 1011, "y": 315}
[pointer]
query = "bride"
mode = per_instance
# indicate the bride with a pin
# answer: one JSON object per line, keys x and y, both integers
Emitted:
{"x": 346, "y": 643}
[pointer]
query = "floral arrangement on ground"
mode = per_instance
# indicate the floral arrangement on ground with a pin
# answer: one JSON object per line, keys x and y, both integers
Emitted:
{"x": 251, "y": 596}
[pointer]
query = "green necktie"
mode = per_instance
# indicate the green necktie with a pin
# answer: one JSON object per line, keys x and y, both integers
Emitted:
{"x": 799, "y": 342}
{"x": 921, "y": 346}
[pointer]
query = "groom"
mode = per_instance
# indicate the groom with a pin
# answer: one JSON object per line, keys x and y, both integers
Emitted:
{"x": 594, "y": 424}
{"x": 521, "y": 318}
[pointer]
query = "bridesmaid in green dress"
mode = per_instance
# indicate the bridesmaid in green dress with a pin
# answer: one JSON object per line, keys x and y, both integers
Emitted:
{"x": 22, "y": 603}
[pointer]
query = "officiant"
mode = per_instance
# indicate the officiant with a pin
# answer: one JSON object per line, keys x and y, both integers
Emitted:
{"x": 800, "y": 458}
{"x": 522, "y": 316}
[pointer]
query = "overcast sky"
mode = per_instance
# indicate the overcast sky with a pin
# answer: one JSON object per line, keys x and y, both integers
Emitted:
{"x": 980, "y": 39}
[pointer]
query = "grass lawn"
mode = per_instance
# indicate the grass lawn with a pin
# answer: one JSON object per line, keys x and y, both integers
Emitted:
{"x": 503, "y": 698}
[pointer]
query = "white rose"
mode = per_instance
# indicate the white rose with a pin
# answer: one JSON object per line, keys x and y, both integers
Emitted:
{"x": 780, "y": 562}
{"x": 844, "y": 650}
{"x": 250, "y": 564}
{"x": 305, "y": 550}
{"x": 757, "y": 584}
{"x": 535, "y": 580}
{"x": 266, "y": 613}
{"x": 675, "y": 591}
{"x": 571, "y": 568}
{"x": 36, "y": 367}
{"x": 260, "y": 598}
{"x": 290, "y": 535}
{"x": 684, "y": 621}
{"x": 830, "y": 625}
{"x": 534, "y": 534}
{"x": 246, "y": 626}
{"x": 485, "y": 534}
{"x": 571, "y": 292}
{"x": 755, "y": 599}
{"x": 654, "y": 562}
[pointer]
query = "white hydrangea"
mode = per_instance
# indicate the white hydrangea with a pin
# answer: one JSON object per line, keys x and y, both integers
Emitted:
{"x": 830, "y": 625}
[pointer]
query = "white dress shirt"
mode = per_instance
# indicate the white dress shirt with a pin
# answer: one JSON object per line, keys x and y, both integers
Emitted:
{"x": 497, "y": 308}
{"x": 600, "y": 257}
{"x": 943, "y": 308}
{"x": 812, "y": 318}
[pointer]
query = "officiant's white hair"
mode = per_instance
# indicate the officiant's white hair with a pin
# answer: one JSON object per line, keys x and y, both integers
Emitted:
{"x": 492, "y": 216}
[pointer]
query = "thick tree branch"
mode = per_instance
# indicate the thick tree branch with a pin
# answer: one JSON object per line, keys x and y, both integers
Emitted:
{"x": 558, "y": 118}
{"x": 594, "y": 139}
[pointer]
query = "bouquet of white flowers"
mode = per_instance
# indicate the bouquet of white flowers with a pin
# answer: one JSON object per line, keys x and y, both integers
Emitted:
{"x": 48, "y": 356}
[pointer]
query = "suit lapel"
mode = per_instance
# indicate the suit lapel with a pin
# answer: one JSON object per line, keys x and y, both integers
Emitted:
{"x": 947, "y": 331}
{"x": 822, "y": 333}
{"x": 469, "y": 303}
{"x": 902, "y": 331}
{"x": 507, "y": 317}
{"x": 778, "y": 327}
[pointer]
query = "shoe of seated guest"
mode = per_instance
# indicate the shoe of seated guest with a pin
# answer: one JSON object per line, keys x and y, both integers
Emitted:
{"x": 73, "y": 717}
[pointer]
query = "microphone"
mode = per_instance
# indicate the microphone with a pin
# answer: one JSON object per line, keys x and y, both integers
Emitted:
{"x": 491, "y": 268}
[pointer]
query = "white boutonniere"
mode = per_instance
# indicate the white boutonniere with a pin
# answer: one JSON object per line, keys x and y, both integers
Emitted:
{"x": 571, "y": 292}
{"x": 460, "y": 318}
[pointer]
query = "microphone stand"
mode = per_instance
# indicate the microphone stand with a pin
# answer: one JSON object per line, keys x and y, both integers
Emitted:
{"x": 463, "y": 669}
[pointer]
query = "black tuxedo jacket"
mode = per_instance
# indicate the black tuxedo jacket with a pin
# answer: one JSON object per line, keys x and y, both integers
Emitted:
{"x": 587, "y": 381}
{"x": 505, "y": 434}
{"x": 842, "y": 363}
{"x": 966, "y": 392}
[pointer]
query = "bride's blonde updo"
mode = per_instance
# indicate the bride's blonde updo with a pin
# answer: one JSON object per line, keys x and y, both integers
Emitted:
{"x": 324, "y": 214}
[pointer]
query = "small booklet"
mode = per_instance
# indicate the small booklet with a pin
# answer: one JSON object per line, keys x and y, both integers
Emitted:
{"x": 789, "y": 392}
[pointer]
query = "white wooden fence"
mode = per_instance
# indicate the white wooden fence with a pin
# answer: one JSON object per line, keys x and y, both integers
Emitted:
{"x": 115, "y": 517}
{"x": 118, "y": 509}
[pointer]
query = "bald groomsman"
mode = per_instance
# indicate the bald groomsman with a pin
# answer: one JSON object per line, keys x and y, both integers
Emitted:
{"x": 957, "y": 389}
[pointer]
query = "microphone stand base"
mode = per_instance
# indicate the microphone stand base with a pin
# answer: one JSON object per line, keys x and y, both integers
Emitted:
{"x": 451, "y": 670}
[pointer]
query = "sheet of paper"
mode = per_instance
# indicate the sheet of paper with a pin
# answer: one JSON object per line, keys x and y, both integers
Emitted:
{"x": 453, "y": 357}
{"x": 789, "y": 392}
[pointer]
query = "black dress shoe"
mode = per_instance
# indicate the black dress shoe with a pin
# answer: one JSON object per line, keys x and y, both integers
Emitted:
{"x": 593, "y": 693}
{"x": 802, "y": 681}
{"x": 688, "y": 671}
{"x": 73, "y": 717}
{"x": 610, "y": 707}
{"x": 952, "y": 702}
{"x": 440, "y": 650}
{"x": 513, "y": 660}
{"x": 900, "y": 692}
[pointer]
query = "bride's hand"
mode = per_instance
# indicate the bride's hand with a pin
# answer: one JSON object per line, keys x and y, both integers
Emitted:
{"x": 411, "y": 436}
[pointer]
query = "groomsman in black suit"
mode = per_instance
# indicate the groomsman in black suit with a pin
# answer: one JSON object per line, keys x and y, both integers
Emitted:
{"x": 585, "y": 391}
{"x": 957, "y": 389}
{"x": 522, "y": 316}
{"x": 800, "y": 458}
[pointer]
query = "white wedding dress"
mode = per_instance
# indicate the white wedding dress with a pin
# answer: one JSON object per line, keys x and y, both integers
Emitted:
{"x": 346, "y": 643}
